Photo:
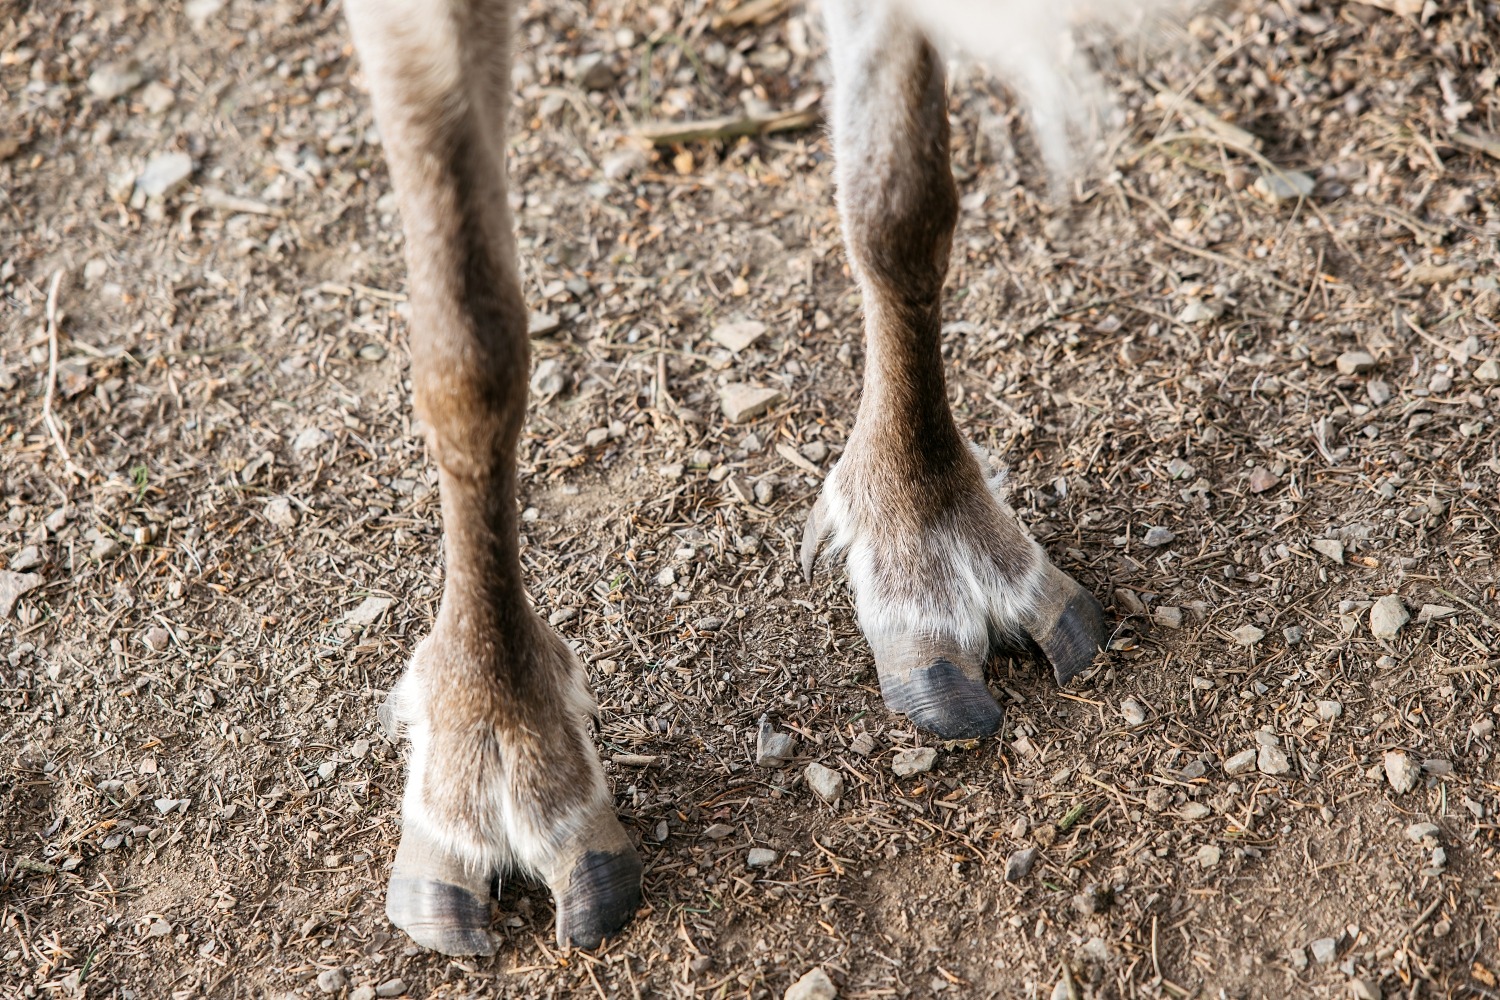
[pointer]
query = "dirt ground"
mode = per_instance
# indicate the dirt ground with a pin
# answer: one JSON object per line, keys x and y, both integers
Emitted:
{"x": 226, "y": 529}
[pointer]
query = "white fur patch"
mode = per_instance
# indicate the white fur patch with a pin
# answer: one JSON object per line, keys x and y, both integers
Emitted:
{"x": 965, "y": 598}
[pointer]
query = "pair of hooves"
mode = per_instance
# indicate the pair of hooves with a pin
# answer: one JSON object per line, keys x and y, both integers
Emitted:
{"x": 447, "y": 909}
{"x": 942, "y": 690}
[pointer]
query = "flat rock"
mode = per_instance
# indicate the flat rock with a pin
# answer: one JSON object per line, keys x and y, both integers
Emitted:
{"x": 332, "y": 980}
{"x": 1262, "y": 479}
{"x": 718, "y": 831}
{"x": 738, "y": 336}
{"x": 1401, "y": 771}
{"x": 917, "y": 761}
{"x": 1284, "y": 185}
{"x": 1241, "y": 763}
{"x": 368, "y": 611}
{"x": 1355, "y": 362}
{"x": 1248, "y": 635}
{"x": 1209, "y": 855}
{"x": 12, "y": 586}
{"x": 1329, "y": 710}
{"x": 165, "y": 173}
{"x": 278, "y": 511}
{"x": 761, "y": 857}
{"x": 1157, "y": 536}
{"x": 1331, "y": 548}
{"x": 772, "y": 748}
{"x": 814, "y": 985}
{"x": 157, "y": 639}
{"x": 1019, "y": 864}
{"x": 1489, "y": 371}
{"x": 1429, "y": 612}
{"x": 539, "y": 324}
{"x": 1273, "y": 761}
{"x": 1133, "y": 712}
{"x": 28, "y": 558}
{"x": 309, "y": 439}
{"x": 1324, "y": 950}
{"x": 1387, "y": 615}
{"x": 1366, "y": 989}
{"x": 1167, "y": 616}
{"x": 826, "y": 783}
{"x": 741, "y": 402}
{"x": 1418, "y": 832}
{"x": 1194, "y": 811}
{"x": 391, "y": 988}
{"x": 115, "y": 79}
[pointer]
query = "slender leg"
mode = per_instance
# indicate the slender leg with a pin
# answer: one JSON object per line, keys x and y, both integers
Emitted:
{"x": 503, "y": 771}
{"x": 942, "y": 570}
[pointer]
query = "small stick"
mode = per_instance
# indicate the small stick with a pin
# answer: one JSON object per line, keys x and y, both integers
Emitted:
{"x": 47, "y": 417}
{"x": 672, "y": 133}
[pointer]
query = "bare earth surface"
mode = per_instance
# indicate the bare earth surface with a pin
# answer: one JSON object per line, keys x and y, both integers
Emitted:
{"x": 235, "y": 559}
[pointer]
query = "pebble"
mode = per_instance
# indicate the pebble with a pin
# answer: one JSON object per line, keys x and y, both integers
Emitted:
{"x": 157, "y": 97}
{"x": 157, "y": 638}
{"x": 1379, "y": 391}
{"x": 814, "y": 985}
{"x": 1248, "y": 635}
{"x": 1273, "y": 761}
{"x": 825, "y": 782}
{"x": 1387, "y": 615}
{"x": 391, "y": 988}
{"x": 1262, "y": 480}
{"x": 1133, "y": 712}
{"x": 1293, "y": 634}
{"x": 104, "y": 548}
{"x": 366, "y": 992}
{"x": 741, "y": 402}
{"x": 278, "y": 511}
{"x": 863, "y": 744}
{"x": 1488, "y": 372}
{"x": 623, "y": 163}
{"x": 1419, "y": 832}
{"x": 1209, "y": 855}
{"x": 1429, "y": 612}
{"x": 1019, "y": 864}
{"x": 761, "y": 857}
{"x": 738, "y": 336}
{"x": 814, "y": 451}
{"x": 368, "y": 611}
{"x": 1283, "y": 185}
{"x": 772, "y": 748}
{"x": 27, "y": 558}
{"x": 1330, "y": 547}
{"x": 307, "y": 440}
{"x": 332, "y": 980}
{"x": 1241, "y": 763}
{"x": 1401, "y": 771}
{"x": 13, "y": 585}
{"x": 164, "y": 174}
{"x": 1324, "y": 950}
{"x": 1198, "y": 311}
{"x": 115, "y": 79}
{"x": 1355, "y": 362}
{"x": 917, "y": 761}
{"x": 1167, "y": 616}
{"x": 1365, "y": 989}
{"x": 1158, "y": 536}
{"x": 1194, "y": 811}
{"x": 1329, "y": 710}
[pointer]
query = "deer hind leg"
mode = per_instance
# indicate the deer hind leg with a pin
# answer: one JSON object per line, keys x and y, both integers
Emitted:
{"x": 942, "y": 570}
{"x": 503, "y": 773}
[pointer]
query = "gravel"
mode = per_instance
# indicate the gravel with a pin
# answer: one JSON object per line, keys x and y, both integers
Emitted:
{"x": 1387, "y": 616}
{"x": 1273, "y": 761}
{"x": 1401, "y": 771}
{"x": 917, "y": 761}
{"x": 825, "y": 782}
{"x": 1248, "y": 635}
{"x": 1355, "y": 362}
{"x": 742, "y": 403}
{"x": 761, "y": 857}
{"x": 773, "y": 748}
{"x": 814, "y": 985}
{"x": 1241, "y": 763}
{"x": 1020, "y": 863}
{"x": 1157, "y": 536}
{"x": 1133, "y": 712}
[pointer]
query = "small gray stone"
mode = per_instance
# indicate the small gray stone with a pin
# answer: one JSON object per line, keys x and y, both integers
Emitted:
{"x": 1194, "y": 811}
{"x": 164, "y": 174}
{"x": 1241, "y": 763}
{"x": 814, "y": 985}
{"x": 1133, "y": 712}
{"x": 1157, "y": 536}
{"x": 115, "y": 79}
{"x": 1167, "y": 616}
{"x": 27, "y": 558}
{"x": 1366, "y": 989}
{"x": 1329, "y": 710}
{"x": 1283, "y": 185}
{"x": 1019, "y": 864}
{"x": 825, "y": 782}
{"x": 1209, "y": 855}
{"x": 1401, "y": 771}
{"x": 548, "y": 379}
{"x": 741, "y": 402}
{"x": 157, "y": 97}
{"x": 1488, "y": 372}
{"x": 278, "y": 511}
{"x": 1387, "y": 615}
{"x": 1273, "y": 761}
{"x": 157, "y": 638}
{"x": 332, "y": 980}
{"x": 738, "y": 336}
{"x": 917, "y": 761}
{"x": 814, "y": 451}
{"x": 761, "y": 857}
{"x": 772, "y": 748}
{"x": 1324, "y": 950}
{"x": 594, "y": 71}
{"x": 368, "y": 611}
{"x": 1298, "y": 958}
{"x": 391, "y": 988}
{"x": 1429, "y": 612}
{"x": 1330, "y": 547}
{"x": 1293, "y": 634}
{"x": 1248, "y": 635}
{"x": 104, "y": 548}
{"x": 718, "y": 831}
{"x": 862, "y": 744}
{"x": 1262, "y": 479}
{"x": 1355, "y": 362}
{"x": 1418, "y": 832}
{"x": 365, "y": 992}
{"x": 309, "y": 439}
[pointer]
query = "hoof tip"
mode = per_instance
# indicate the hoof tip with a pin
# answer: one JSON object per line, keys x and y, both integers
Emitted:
{"x": 603, "y": 893}
{"x": 440, "y": 916}
{"x": 943, "y": 700}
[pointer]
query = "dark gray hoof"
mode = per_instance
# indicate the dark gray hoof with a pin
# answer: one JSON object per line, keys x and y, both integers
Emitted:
{"x": 1067, "y": 629}
{"x": 441, "y": 916}
{"x": 943, "y": 700}
{"x": 603, "y": 893}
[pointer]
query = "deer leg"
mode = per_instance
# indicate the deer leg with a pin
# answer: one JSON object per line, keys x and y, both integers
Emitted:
{"x": 942, "y": 570}
{"x": 503, "y": 772}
